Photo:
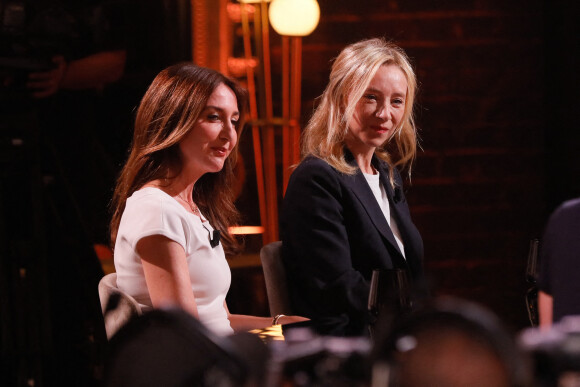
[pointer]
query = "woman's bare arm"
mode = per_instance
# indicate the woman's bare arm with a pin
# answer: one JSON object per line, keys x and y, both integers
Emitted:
{"x": 166, "y": 273}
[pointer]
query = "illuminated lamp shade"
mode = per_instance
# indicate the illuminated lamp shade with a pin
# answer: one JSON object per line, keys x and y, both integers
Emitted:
{"x": 254, "y": 1}
{"x": 294, "y": 17}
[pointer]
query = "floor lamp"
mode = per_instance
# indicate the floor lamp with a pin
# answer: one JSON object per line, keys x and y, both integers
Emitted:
{"x": 288, "y": 18}
{"x": 292, "y": 19}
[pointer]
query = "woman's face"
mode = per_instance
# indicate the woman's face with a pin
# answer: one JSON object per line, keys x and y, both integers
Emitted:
{"x": 212, "y": 138}
{"x": 379, "y": 112}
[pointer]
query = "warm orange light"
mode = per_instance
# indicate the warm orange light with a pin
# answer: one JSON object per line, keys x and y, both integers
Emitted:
{"x": 294, "y": 17}
{"x": 246, "y": 230}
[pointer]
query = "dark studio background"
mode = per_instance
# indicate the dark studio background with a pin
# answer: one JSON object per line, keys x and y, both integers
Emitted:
{"x": 496, "y": 111}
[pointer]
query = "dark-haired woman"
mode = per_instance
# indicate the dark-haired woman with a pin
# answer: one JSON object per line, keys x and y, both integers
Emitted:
{"x": 173, "y": 204}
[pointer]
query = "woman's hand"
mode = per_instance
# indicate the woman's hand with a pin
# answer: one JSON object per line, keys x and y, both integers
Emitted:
{"x": 283, "y": 320}
{"x": 244, "y": 323}
{"x": 91, "y": 72}
{"x": 46, "y": 83}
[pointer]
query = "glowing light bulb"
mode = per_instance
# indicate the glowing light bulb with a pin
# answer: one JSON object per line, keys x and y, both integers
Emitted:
{"x": 294, "y": 17}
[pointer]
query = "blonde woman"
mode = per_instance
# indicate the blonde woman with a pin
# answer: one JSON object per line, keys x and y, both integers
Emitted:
{"x": 344, "y": 212}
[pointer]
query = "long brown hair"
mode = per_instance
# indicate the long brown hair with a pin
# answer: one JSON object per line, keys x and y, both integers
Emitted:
{"x": 351, "y": 73}
{"x": 167, "y": 112}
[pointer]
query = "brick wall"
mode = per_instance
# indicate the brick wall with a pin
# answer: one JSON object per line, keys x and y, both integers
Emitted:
{"x": 478, "y": 188}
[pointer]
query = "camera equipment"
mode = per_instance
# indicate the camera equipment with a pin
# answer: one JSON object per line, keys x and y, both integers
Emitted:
{"x": 555, "y": 352}
{"x": 307, "y": 359}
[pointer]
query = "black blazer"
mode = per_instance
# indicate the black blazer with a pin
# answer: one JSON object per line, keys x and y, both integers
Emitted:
{"x": 334, "y": 234}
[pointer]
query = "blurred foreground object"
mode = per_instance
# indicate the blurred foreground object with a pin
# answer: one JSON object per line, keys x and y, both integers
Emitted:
{"x": 555, "y": 352}
{"x": 172, "y": 348}
{"x": 448, "y": 343}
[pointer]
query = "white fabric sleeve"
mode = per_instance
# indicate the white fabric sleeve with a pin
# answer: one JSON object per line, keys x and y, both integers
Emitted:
{"x": 154, "y": 215}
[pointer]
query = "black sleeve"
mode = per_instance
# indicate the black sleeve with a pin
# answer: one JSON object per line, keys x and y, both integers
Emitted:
{"x": 316, "y": 248}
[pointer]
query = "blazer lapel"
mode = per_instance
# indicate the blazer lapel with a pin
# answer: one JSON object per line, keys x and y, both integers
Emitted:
{"x": 394, "y": 200}
{"x": 399, "y": 211}
{"x": 359, "y": 186}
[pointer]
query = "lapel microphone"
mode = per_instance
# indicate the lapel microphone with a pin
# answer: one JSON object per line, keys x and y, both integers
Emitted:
{"x": 215, "y": 239}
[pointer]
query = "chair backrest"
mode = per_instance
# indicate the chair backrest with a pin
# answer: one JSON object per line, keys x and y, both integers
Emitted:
{"x": 117, "y": 306}
{"x": 275, "y": 278}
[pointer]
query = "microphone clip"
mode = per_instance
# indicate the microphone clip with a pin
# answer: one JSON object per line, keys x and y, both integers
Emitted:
{"x": 215, "y": 239}
{"x": 397, "y": 197}
{"x": 214, "y": 236}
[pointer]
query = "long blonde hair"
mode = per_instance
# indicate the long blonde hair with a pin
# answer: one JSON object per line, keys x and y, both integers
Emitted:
{"x": 167, "y": 112}
{"x": 352, "y": 72}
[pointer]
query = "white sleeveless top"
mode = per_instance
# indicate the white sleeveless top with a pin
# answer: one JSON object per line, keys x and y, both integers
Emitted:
{"x": 150, "y": 211}
{"x": 383, "y": 200}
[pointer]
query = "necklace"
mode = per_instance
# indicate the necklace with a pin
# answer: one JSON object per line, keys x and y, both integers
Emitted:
{"x": 192, "y": 206}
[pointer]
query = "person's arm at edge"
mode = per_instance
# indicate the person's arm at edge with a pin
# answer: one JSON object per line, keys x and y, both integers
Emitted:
{"x": 545, "y": 309}
{"x": 95, "y": 70}
{"x": 91, "y": 72}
